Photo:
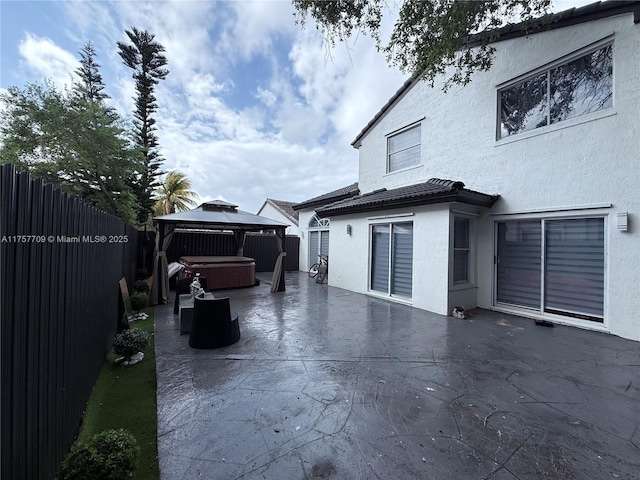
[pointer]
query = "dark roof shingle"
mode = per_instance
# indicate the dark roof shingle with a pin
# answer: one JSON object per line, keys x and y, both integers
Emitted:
{"x": 284, "y": 207}
{"x": 435, "y": 190}
{"x": 331, "y": 197}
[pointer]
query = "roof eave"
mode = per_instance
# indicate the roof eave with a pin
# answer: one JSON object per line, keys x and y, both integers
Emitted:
{"x": 308, "y": 205}
{"x": 222, "y": 226}
{"x": 563, "y": 19}
{"x": 477, "y": 199}
{"x": 460, "y": 196}
{"x": 401, "y": 92}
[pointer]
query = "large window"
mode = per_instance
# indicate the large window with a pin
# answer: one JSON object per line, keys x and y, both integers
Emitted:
{"x": 552, "y": 265}
{"x": 577, "y": 87}
{"x": 392, "y": 259}
{"x": 403, "y": 149}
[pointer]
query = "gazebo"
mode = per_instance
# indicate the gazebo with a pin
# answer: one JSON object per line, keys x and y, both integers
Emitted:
{"x": 213, "y": 215}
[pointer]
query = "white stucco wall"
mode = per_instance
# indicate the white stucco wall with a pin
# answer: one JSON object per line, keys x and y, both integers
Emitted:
{"x": 571, "y": 168}
{"x": 269, "y": 211}
{"x": 529, "y": 170}
{"x": 349, "y": 254}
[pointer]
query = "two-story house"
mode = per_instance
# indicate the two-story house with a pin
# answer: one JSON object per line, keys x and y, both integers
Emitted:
{"x": 519, "y": 192}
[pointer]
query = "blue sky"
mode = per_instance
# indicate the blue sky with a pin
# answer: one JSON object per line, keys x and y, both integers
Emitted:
{"x": 253, "y": 107}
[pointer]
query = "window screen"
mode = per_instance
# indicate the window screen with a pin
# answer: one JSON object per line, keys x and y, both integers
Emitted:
{"x": 404, "y": 149}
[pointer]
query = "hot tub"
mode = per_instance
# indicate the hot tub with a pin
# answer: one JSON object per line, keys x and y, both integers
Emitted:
{"x": 222, "y": 272}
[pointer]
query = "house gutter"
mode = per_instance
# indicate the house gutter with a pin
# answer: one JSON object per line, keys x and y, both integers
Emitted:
{"x": 460, "y": 196}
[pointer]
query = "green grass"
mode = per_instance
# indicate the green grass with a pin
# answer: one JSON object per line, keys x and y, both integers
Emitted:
{"x": 125, "y": 397}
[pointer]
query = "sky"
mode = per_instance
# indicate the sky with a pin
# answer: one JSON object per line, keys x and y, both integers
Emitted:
{"x": 254, "y": 106}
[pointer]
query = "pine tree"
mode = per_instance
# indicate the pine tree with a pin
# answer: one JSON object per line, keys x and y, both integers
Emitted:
{"x": 145, "y": 57}
{"x": 90, "y": 87}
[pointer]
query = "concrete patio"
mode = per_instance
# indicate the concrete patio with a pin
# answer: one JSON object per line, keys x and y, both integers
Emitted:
{"x": 326, "y": 383}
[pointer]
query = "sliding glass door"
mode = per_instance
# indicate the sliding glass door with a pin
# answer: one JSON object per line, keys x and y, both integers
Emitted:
{"x": 574, "y": 266}
{"x": 518, "y": 263}
{"x": 552, "y": 265}
{"x": 392, "y": 259}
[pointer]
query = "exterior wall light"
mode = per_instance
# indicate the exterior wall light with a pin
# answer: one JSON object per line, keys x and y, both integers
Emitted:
{"x": 623, "y": 221}
{"x": 348, "y": 229}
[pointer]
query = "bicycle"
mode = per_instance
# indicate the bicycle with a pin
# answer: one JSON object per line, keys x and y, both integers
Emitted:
{"x": 315, "y": 268}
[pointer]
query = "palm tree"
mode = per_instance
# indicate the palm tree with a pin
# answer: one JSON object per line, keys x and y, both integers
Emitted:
{"x": 174, "y": 194}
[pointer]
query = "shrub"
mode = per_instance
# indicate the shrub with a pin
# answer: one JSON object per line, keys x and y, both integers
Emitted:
{"x": 110, "y": 455}
{"x": 131, "y": 341}
{"x": 141, "y": 286}
{"x": 142, "y": 274}
{"x": 139, "y": 300}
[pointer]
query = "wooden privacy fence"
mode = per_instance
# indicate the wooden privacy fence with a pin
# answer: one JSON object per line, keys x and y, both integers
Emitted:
{"x": 61, "y": 260}
{"x": 260, "y": 246}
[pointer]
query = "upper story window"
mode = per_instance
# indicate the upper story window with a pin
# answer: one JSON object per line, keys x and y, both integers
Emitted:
{"x": 581, "y": 85}
{"x": 403, "y": 149}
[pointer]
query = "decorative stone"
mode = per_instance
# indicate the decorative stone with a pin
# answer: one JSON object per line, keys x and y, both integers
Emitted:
{"x": 132, "y": 360}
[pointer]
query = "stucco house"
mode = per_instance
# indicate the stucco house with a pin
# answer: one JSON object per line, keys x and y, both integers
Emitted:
{"x": 282, "y": 211}
{"x": 518, "y": 192}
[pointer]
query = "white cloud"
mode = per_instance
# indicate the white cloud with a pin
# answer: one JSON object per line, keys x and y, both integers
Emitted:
{"x": 294, "y": 142}
{"x": 346, "y": 85}
{"x": 95, "y": 22}
{"x": 252, "y": 27}
{"x": 266, "y": 96}
{"x": 44, "y": 58}
{"x": 287, "y": 137}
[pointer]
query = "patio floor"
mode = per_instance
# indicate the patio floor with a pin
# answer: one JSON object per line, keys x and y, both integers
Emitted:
{"x": 326, "y": 383}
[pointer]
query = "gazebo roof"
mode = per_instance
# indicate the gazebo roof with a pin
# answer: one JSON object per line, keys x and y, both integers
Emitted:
{"x": 219, "y": 215}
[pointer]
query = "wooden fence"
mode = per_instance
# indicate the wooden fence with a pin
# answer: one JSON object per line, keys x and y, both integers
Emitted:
{"x": 260, "y": 246}
{"x": 61, "y": 260}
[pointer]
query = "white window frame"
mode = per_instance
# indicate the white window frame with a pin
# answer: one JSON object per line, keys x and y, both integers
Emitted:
{"x": 605, "y": 42}
{"x": 596, "y": 211}
{"x": 388, "y": 293}
{"x": 470, "y": 219}
{"x": 320, "y": 225}
{"x": 396, "y": 133}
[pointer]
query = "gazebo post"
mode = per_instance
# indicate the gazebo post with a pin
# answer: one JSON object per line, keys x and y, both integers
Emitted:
{"x": 280, "y": 235}
{"x": 158, "y": 264}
